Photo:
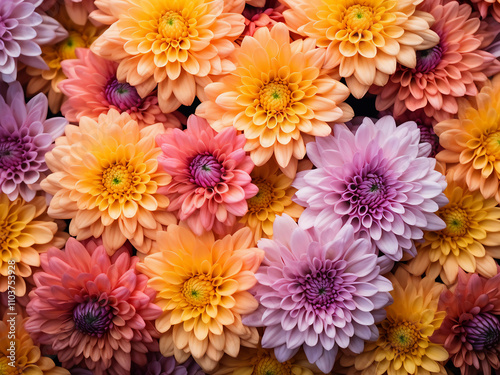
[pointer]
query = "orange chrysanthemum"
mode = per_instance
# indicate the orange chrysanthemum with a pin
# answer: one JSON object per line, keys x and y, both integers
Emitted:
{"x": 202, "y": 288}
{"x": 364, "y": 38}
{"x": 177, "y": 44}
{"x": 472, "y": 142}
{"x": 278, "y": 96}
{"x": 105, "y": 178}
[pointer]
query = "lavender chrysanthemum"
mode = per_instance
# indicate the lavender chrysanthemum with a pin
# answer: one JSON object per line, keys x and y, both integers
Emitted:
{"x": 26, "y": 135}
{"x": 23, "y": 28}
{"x": 376, "y": 180}
{"x": 319, "y": 290}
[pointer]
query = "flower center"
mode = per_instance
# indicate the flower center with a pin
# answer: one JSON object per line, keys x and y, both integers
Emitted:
{"x": 121, "y": 94}
{"x": 270, "y": 366}
{"x": 263, "y": 198}
{"x": 403, "y": 336}
{"x": 457, "y": 221}
{"x": 6, "y": 369}
{"x": 428, "y": 59}
{"x": 93, "y": 319}
{"x": 367, "y": 193}
{"x": 12, "y": 154}
{"x": 198, "y": 290}
{"x": 173, "y": 26}
{"x": 117, "y": 179}
{"x": 68, "y": 46}
{"x": 206, "y": 171}
{"x": 358, "y": 18}
{"x": 275, "y": 96}
{"x": 483, "y": 331}
{"x": 492, "y": 146}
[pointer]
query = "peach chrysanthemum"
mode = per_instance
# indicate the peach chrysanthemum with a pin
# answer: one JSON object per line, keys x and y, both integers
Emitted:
{"x": 364, "y": 39}
{"x": 177, "y": 44}
{"x": 472, "y": 142}
{"x": 278, "y": 96}
{"x": 26, "y": 231}
{"x": 105, "y": 178}
{"x": 202, "y": 288}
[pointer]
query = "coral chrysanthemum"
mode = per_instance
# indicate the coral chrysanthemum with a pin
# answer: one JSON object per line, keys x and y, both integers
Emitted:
{"x": 278, "y": 96}
{"x": 376, "y": 181}
{"x": 176, "y": 44}
{"x": 91, "y": 310}
{"x": 25, "y": 357}
{"x": 364, "y": 39}
{"x": 26, "y": 135}
{"x": 403, "y": 345}
{"x": 453, "y": 68}
{"x": 471, "y": 329}
{"x": 26, "y": 231}
{"x": 318, "y": 291}
{"x": 265, "y": 16}
{"x": 202, "y": 289}
{"x": 105, "y": 178}
{"x": 472, "y": 142}
{"x": 470, "y": 240}
{"x": 273, "y": 199}
{"x": 23, "y": 28}
{"x": 210, "y": 175}
{"x": 92, "y": 88}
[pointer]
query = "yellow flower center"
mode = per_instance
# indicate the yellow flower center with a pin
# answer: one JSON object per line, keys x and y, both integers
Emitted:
{"x": 403, "y": 336}
{"x": 358, "y": 18}
{"x": 117, "y": 179}
{"x": 457, "y": 221}
{"x": 270, "y": 366}
{"x": 492, "y": 146}
{"x": 5, "y": 369}
{"x": 275, "y": 96}
{"x": 173, "y": 26}
{"x": 68, "y": 46}
{"x": 198, "y": 290}
{"x": 263, "y": 198}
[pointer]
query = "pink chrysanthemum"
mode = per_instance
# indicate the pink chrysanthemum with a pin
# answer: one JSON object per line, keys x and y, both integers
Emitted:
{"x": 487, "y": 7}
{"x": 92, "y": 88}
{"x": 210, "y": 175}
{"x": 455, "y": 67}
{"x": 93, "y": 309}
{"x": 375, "y": 180}
{"x": 319, "y": 290}
{"x": 26, "y": 135}
{"x": 267, "y": 15}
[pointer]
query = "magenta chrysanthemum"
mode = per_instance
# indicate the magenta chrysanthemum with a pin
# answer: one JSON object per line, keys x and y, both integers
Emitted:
{"x": 93, "y": 309}
{"x": 26, "y": 135}
{"x": 319, "y": 291}
{"x": 210, "y": 175}
{"x": 376, "y": 181}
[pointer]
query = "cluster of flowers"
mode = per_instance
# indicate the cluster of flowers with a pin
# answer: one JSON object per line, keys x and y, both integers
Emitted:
{"x": 184, "y": 189}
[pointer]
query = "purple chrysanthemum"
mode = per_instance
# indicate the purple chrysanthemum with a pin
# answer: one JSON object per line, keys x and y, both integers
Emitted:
{"x": 23, "y": 28}
{"x": 25, "y": 136}
{"x": 160, "y": 365}
{"x": 377, "y": 181}
{"x": 319, "y": 291}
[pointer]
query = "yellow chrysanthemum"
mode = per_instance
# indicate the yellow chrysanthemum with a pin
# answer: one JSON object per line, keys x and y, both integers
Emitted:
{"x": 472, "y": 142}
{"x": 364, "y": 39}
{"x": 176, "y": 44}
{"x": 278, "y": 96}
{"x": 46, "y": 81}
{"x": 26, "y": 231}
{"x": 403, "y": 346}
{"x": 470, "y": 240}
{"x": 202, "y": 288}
{"x": 105, "y": 178}
{"x": 25, "y": 358}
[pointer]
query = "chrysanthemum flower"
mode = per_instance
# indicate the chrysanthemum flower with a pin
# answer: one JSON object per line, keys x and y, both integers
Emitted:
{"x": 202, "y": 289}
{"x": 26, "y": 231}
{"x": 470, "y": 240}
{"x": 92, "y": 310}
{"x": 27, "y": 356}
{"x": 26, "y": 135}
{"x": 374, "y": 180}
{"x": 364, "y": 39}
{"x": 471, "y": 329}
{"x": 92, "y": 88}
{"x": 23, "y": 28}
{"x": 403, "y": 345}
{"x": 78, "y": 10}
{"x": 175, "y": 44}
{"x": 277, "y": 96}
{"x": 105, "y": 178}
{"x": 210, "y": 175}
{"x": 472, "y": 142}
{"x": 46, "y": 81}
{"x": 318, "y": 291}
{"x": 160, "y": 365}
{"x": 265, "y": 16}
{"x": 273, "y": 199}
{"x": 453, "y": 68}
{"x": 488, "y": 7}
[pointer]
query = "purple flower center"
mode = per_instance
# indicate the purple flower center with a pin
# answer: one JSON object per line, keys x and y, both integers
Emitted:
{"x": 12, "y": 155}
{"x": 121, "y": 94}
{"x": 483, "y": 331}
{"x": 93, "y": 319}
{"x": 428, "y": 59}
{"x": 205, "y": 170}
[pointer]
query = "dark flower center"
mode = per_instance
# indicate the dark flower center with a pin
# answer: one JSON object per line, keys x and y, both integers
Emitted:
{"x": 428, "y": 59}
{"x": 483, "y": 331}
{"x": 12, "y": 153}
{"x": 121, "y": 94}
{"x": 205, "y": 170}
{"x": 93, "y": 319}
{"x": 367, "y": 193}
{"x": 250, "y": 11}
